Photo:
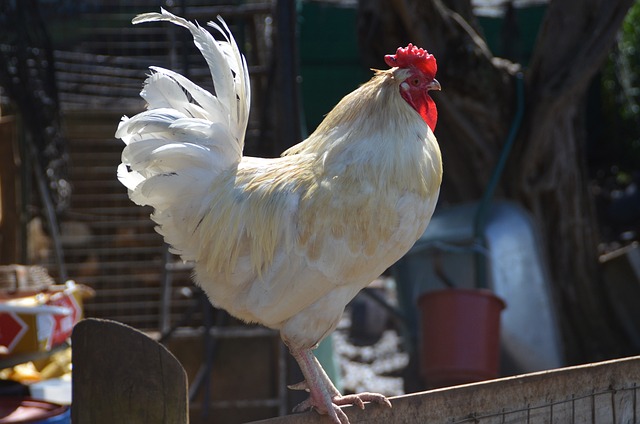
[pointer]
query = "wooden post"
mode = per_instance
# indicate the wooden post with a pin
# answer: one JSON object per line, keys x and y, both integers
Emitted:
{"x": 121, "y": 375}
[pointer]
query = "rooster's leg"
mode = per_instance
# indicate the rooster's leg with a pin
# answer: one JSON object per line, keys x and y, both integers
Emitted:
{"x": 323, "y": 395}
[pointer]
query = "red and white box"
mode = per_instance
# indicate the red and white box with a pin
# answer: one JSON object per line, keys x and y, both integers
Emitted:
{"x": 41, "y": 321}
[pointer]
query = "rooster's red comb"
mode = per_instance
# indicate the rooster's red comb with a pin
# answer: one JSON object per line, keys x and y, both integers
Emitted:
{"x": 412, "y": 56}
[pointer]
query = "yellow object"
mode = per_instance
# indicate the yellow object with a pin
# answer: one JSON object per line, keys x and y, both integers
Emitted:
{"x": 24, "y": 373}
{"x": 56, "y": 366}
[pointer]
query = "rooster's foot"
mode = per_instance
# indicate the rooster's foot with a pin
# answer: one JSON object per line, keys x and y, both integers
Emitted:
{"x": 331, "y": 405}
{"x": 323, "y": 395}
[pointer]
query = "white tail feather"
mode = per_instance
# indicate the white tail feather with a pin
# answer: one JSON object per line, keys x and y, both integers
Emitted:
{"x": 188, "y": 136}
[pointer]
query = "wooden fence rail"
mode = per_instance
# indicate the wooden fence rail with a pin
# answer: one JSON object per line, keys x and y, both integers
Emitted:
{"x": 605, "y": 392}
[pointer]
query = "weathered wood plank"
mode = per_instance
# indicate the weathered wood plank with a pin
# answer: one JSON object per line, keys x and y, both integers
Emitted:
{"x": 594, "y": 393}
{"x": 120, "y": 375}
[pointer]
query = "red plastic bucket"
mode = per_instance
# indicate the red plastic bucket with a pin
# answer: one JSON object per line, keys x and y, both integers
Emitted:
{"x": 460, "y": 336}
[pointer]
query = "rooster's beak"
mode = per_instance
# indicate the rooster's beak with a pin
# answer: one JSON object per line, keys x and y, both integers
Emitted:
{"x": 434, "y": 85}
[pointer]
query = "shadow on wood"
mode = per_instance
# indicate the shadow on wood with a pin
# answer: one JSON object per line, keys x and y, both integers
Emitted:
{"x": 120, "y": 375}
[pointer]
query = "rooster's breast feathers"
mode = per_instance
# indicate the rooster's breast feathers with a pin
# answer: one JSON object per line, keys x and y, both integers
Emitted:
{"x": 279, "y": 234}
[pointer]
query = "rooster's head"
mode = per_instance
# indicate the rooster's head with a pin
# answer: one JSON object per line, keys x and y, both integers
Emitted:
{"x": 416, "y": 72}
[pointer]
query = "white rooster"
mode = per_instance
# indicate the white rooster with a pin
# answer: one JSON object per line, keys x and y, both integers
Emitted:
{"x": 286, "y": 242}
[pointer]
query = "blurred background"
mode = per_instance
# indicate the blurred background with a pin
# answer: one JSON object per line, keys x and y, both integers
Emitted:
{"x": 539, "y": 128}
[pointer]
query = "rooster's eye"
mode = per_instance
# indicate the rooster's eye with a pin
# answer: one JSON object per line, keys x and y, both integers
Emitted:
{"x": 415, "y": 82}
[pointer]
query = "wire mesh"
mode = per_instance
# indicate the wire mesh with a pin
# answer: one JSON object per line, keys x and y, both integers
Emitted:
{"x": 609, "y": 405}
{"x": 101, "y": 62}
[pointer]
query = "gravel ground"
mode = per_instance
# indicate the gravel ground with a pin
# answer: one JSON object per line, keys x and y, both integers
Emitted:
{"x": 370, "y": 354}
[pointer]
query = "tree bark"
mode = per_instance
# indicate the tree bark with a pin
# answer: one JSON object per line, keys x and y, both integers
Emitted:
{"x": 546, "y": 171}
{"x": 549, "y": 174}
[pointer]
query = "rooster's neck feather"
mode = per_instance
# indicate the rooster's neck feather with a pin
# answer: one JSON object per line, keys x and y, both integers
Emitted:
{"x": 372, "y": 133}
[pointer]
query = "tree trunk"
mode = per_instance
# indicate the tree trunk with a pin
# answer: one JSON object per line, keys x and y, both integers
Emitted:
{"x": 549, "y": 174}
{"x": 546, "y": 171}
